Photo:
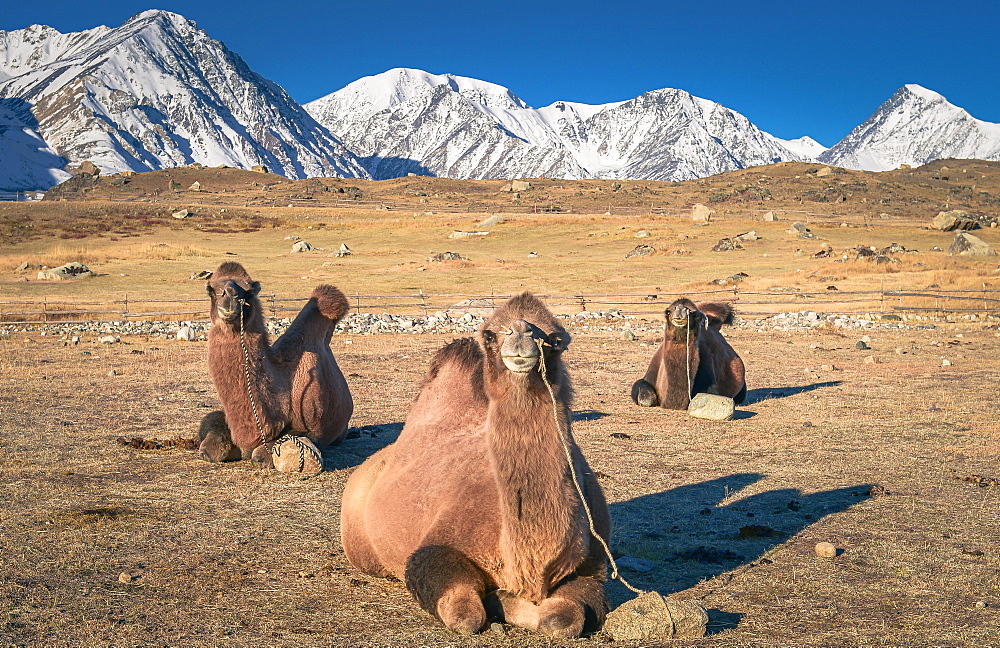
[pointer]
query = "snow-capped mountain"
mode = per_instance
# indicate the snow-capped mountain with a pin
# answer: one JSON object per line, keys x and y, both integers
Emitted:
{"x": 158, "y": 92}
{"x": 409, "y": 120}
{"x": 915, "y": 126}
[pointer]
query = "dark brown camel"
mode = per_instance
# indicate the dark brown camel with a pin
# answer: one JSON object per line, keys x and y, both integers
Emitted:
{"x": 474, "y": 506}
{"x": 693, "y": 358}
{"x": 295, "y": 385}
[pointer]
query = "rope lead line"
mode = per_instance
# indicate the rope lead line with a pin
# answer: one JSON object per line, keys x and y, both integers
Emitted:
{"x": 564, "y": 437}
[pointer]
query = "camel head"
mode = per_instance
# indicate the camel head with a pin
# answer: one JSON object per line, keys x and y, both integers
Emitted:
{"x": 518, "y": 337}
{"x": 232, "y": 291}
{"x": 684, "y": 320}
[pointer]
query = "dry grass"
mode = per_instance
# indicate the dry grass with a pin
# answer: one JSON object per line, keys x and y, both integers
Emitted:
{"x": 728, "y": 512}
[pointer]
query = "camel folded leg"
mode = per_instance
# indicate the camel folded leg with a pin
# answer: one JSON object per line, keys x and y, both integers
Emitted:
{"x": 448, "y": 585}
{"x": 216, "y": 441}
{"x": 579, "y": 605}
{"x": 644, "y": 394}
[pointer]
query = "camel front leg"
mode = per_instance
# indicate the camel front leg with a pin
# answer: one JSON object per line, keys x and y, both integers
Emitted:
{"x": 577, "y": 606}
{"x": 448, "y": 585}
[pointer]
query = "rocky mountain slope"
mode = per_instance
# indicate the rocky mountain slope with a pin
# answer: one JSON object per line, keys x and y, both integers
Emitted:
{"x": 408, "y": 120}
{"x": 913, "y": 127}
{"x": 158, "y": 92}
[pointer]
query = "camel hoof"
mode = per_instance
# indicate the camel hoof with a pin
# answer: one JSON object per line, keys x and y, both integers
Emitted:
{"x": 644, "y": 394}
{"x": 464, "y": 615}
{"x": 262, "y": 456}
{"x": 561, "y": 619}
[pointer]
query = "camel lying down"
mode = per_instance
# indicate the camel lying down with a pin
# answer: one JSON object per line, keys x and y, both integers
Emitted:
{"x": 693, "y": 358}
{"x": 474, "y": 505}
{"x": 293, "y": 386}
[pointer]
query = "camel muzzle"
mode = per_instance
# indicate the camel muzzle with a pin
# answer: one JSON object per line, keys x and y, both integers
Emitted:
{"x": 519, "y": 351}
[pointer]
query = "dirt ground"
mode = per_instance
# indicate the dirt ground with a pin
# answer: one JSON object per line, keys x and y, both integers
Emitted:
{"x": 102, "y": 544}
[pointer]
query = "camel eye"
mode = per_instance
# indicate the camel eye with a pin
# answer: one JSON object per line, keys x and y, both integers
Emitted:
{"x": 489, "y": 337}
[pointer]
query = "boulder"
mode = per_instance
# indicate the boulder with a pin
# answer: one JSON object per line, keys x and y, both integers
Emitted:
{"x": 770, "y": 217}
{"x": 712, "y": 407}
{"x": 90, "y": 168}
{"x": 956, "y": 219}
{"x": 640, "y": 251}
{"x": 492, "y": 221}
{"x": 701, "y": 214}
{"x": 182, "y": 214}
{"x": 456, "y": 234}
{"x": 344, "y": 250}
{"x": 651, "y": 616}
{"x": 73, "y": 270}
{"x": 746, "y": 236}
{"x": 195, "y": 186}
{"x": 259, "y": 168}
{"x": 825, "y": 171}
{"x": 301, "y": 246}
{"x": 186, "y": 333}
{"x": 520, "y": 185}
{"x": 642, "y": 234}
{"x": 726, "y": 244}
{"x": 966, "y": 244}
{"x": 296, "y": 454}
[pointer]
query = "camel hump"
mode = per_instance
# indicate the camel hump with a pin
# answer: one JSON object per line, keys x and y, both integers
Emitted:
{"x": 464, "y": 352}
{"x": 231, "y": 270}
{"x": 331, "y": 302}
{"x": 718, "y": 312}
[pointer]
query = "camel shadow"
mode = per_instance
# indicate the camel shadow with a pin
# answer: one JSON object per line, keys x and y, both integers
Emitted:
{"x": 769, "y": 393}
{"x": 588, "y": 415}
{"x": 691, "y": 533}
{"x": 361, "y": 442}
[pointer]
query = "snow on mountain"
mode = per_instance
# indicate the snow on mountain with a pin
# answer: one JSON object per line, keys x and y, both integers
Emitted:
{"x": 409, "y": 120}
{"x": 915, "y": 126}
{"x": 805, "y": 147}
{"x": 26, "y": 161}
{"x": 157, "y": 92}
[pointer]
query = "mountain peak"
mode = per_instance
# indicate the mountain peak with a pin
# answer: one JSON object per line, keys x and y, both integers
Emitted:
{"x": 923, "y": 93}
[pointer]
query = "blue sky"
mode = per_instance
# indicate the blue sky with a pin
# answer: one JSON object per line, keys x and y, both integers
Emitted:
{"x": 793, "y": 68}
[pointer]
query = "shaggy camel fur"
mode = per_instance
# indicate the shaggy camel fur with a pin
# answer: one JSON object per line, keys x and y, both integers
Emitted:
{"x": 692, "y": 335}
{"x": 295, "y": 384}
{"x": 474, "y": 505}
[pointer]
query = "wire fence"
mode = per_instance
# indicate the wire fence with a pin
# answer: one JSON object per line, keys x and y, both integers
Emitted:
{"x": 749, "y": 303}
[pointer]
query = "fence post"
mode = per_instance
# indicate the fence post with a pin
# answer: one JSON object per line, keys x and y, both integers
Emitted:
{"x": 423, "y": 302}
{"x": 125, "y": 311}
{"x": 357, "y": 301}
{"x": 583, "y": 302}
{"x": 45, "y": 316}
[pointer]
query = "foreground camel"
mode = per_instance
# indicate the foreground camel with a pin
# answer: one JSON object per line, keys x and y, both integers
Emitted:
{"x": 693, "y": 358}
{"x": 293, "y": 386}
{"x": 474, "y": 506}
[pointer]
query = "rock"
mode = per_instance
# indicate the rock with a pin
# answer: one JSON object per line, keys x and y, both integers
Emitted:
{"x": 107, "y": 339}
{"x": 457, "y": 234}
{"x": 492, "y": 221}
{"x": 520, "y": 185}
{"x": 181, "y": 215}
{"x": 746, "y": 236}
{"x": 769, "y": 217}
{"x": 126, "y": 577}
{"x": 726, "y": 245}
{"x": 642, "y": 234}
{"x": 195, "y": 186}
{"x": 651, "y": 616}
{"x": 966, "y": 244}
{"x": 628, "y": 335}
{"x": 23, "y": 266}
{"x": 296, "y": 454}
{"x": 447, "y": 256}
{"x": 825, "y": 171}
{"x": 641, "y": 251}
{"x": 955, "y": 219}
{"x": 862, "y": 346}
{"x": 259, "y": 168}
{"x": 701, "y": 214}
{"x": 185, "y": 333}
{"x": 292, "y": 237}
{"x": 870, "y": 360}
{"x": 344, "y": 250}
{"x": 301, "y": 246}
{"x": 635, "y": 564}
{"x": 72, "y": 270}
{"x": 89, "y": 168}
{"x": 202, "y": 274}
{"x": 826, "y": 550}
{"x": 471, "y": 307}
{"x": 945, "y": 362}
{"x": 712, "y": 407}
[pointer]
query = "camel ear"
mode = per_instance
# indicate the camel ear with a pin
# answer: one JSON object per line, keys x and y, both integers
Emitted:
{"x": 559, "y": 340}
{"x": 254, "y": 288}
{"x": 210, "y": 290}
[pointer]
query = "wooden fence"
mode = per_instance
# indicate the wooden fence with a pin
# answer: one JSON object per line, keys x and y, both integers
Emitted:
{"x": 936, "y": 303}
